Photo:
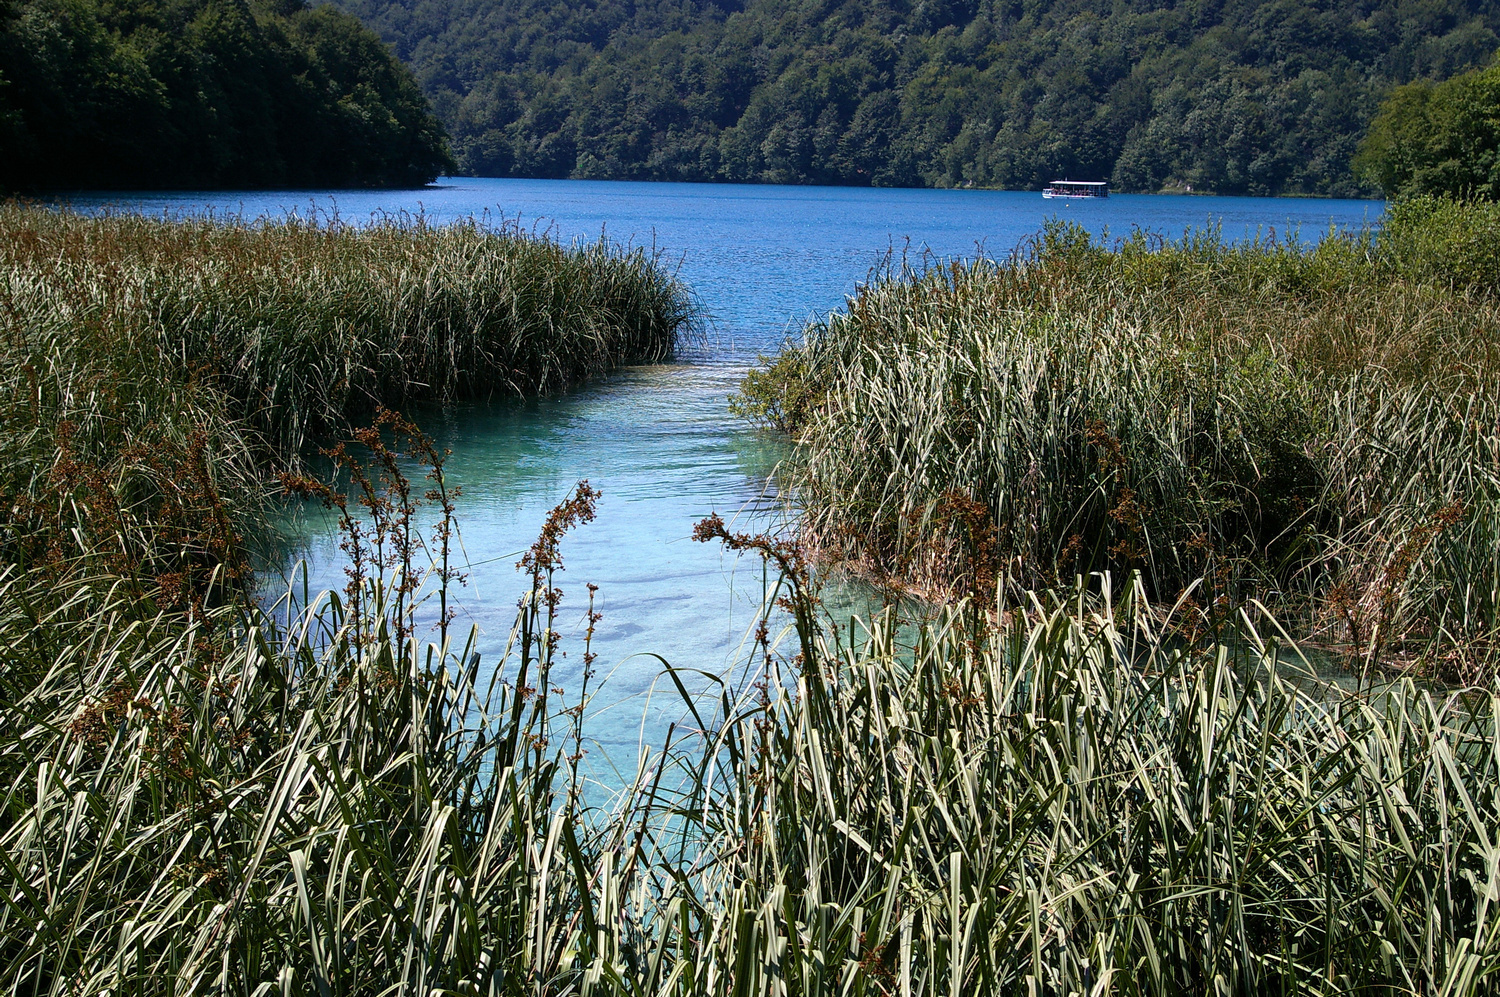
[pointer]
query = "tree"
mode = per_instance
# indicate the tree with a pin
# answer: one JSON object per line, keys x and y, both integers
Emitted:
{"x": 205, "y": 93}
{"x": 1441, "y": 138}
{"x": 1257, "y": 96}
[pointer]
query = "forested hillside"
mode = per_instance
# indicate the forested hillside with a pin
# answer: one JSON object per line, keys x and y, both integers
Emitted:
{"x": 1252, "y": 96}
{"x": 205, "y": 93}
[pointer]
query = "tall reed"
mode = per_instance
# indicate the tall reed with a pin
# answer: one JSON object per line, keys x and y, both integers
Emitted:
{"x": 1074, "y": 801}
{"x": 201, "y": 794}
{"x": 154, "y": 371}
{"x": 1077, "y": 802}
{"x": 1314, "y": 426}
{"x": 306, "y": 325}
{"x": 1071, "y": 792}
{"x": 305, "y": 799}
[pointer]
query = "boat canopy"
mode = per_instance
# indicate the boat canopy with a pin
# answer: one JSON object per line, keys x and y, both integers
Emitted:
{"x": 1080, "y": 184}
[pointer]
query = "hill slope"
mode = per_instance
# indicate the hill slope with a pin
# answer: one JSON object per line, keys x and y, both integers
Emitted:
{"x": 1244, "y": 96}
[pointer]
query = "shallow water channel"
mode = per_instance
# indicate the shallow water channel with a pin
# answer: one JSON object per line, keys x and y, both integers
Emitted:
{"x": 658, "y": 441}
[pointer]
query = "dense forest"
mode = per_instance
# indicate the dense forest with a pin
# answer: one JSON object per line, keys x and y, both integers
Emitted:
{"x": 205, "y": 93}
{"x": 1438, "y": 138}
{"x": 1243, "y": 96}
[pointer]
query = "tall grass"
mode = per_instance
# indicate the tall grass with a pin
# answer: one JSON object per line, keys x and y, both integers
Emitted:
{"x": 1076, "y": 792}
{"x": 154, "y": 371}
{"x": 1313, "y": 426}
{"x": 192, "y": 785}
{"x": 1074, "y": 801}
{"x": 305, "y": 326}
{"x": 233, "y": 802}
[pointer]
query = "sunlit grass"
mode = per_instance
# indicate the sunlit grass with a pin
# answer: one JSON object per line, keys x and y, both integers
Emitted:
{"x": 1315, "y": 427}
{"x": 1071, "y": 800}
{"x": 155, "y": 373}
{"x": 305, "y": 326}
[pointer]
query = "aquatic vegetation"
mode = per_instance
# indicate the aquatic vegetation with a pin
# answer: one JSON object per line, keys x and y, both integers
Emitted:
{"x": 316, "y": 800}
{"x": 305, "y": 324}
{"x": 1311, "y": 426}
{"x": 150, "y": 362}
{"x": 1074, "y": 802}
{"x": 1079, "y": 791}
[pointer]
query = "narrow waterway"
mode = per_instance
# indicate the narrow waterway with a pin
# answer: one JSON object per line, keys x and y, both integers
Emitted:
{"x": 659, "y": 441}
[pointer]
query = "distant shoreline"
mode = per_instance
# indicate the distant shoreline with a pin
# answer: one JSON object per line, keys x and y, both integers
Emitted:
{"x": 442, "y": 182}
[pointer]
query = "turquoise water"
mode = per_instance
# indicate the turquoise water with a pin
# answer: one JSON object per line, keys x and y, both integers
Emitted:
{"x": 658, "y": 440}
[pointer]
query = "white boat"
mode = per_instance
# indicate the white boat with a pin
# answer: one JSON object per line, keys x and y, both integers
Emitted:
{"x": 1076, "y": 189}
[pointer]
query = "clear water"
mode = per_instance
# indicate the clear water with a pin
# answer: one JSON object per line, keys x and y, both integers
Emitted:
{"x": 658, "y": 441}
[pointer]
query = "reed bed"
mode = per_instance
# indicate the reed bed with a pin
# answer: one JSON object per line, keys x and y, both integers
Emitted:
{"x": 1313, "y": 426}
{"x": 305, "y": 325}
{"x": 318, "y": 800}
{"x": 1082, "y": 791}
{"x": 1075, "y": 802}
{"x": 228, "y": 801}
{"x": 155, "y": 371}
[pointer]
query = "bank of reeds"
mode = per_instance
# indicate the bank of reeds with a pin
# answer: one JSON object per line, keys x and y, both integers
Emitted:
{"x": 1314, "y": 426}
{"x": 152, "y": 370}
{"x": 307, "y": 324}
{"x": 1079, "y": 794}
{"x": 1075, "y": 801}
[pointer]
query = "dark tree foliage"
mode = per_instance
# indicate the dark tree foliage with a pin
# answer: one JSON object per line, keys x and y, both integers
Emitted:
{"x": 1236, "y": 96}
{"x": 1438, "y": 139}
{"x": 205, "y": 93}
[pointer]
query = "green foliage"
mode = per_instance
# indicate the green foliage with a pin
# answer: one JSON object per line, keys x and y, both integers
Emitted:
{"x": 1438, "y": 139}
{"x": 1085, "y": 798}
{"x": 199, "y": 760}
{"x": 1443, "y": 241}
{"x": 1080, "y": 801}
{"x": 1314, "y": 427}
{"x": 1085, "y": 792}
{"x": 781, "y": 394}
{"x": 303, "y": 327}
{"x": 319, "y": 805}
{"x": 211, "y": 93}
{"x": 153, "y": 370}
{"x": 1264, "y": 97}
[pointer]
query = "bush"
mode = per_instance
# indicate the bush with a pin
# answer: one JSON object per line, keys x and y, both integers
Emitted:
{"x": 1442, "y": 241}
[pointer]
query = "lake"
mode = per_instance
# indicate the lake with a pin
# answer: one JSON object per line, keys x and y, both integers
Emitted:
{"x": 658, "y": 441}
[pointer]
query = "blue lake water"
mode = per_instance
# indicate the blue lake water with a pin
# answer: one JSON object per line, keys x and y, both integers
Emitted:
{"x": 658, "y": 440}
